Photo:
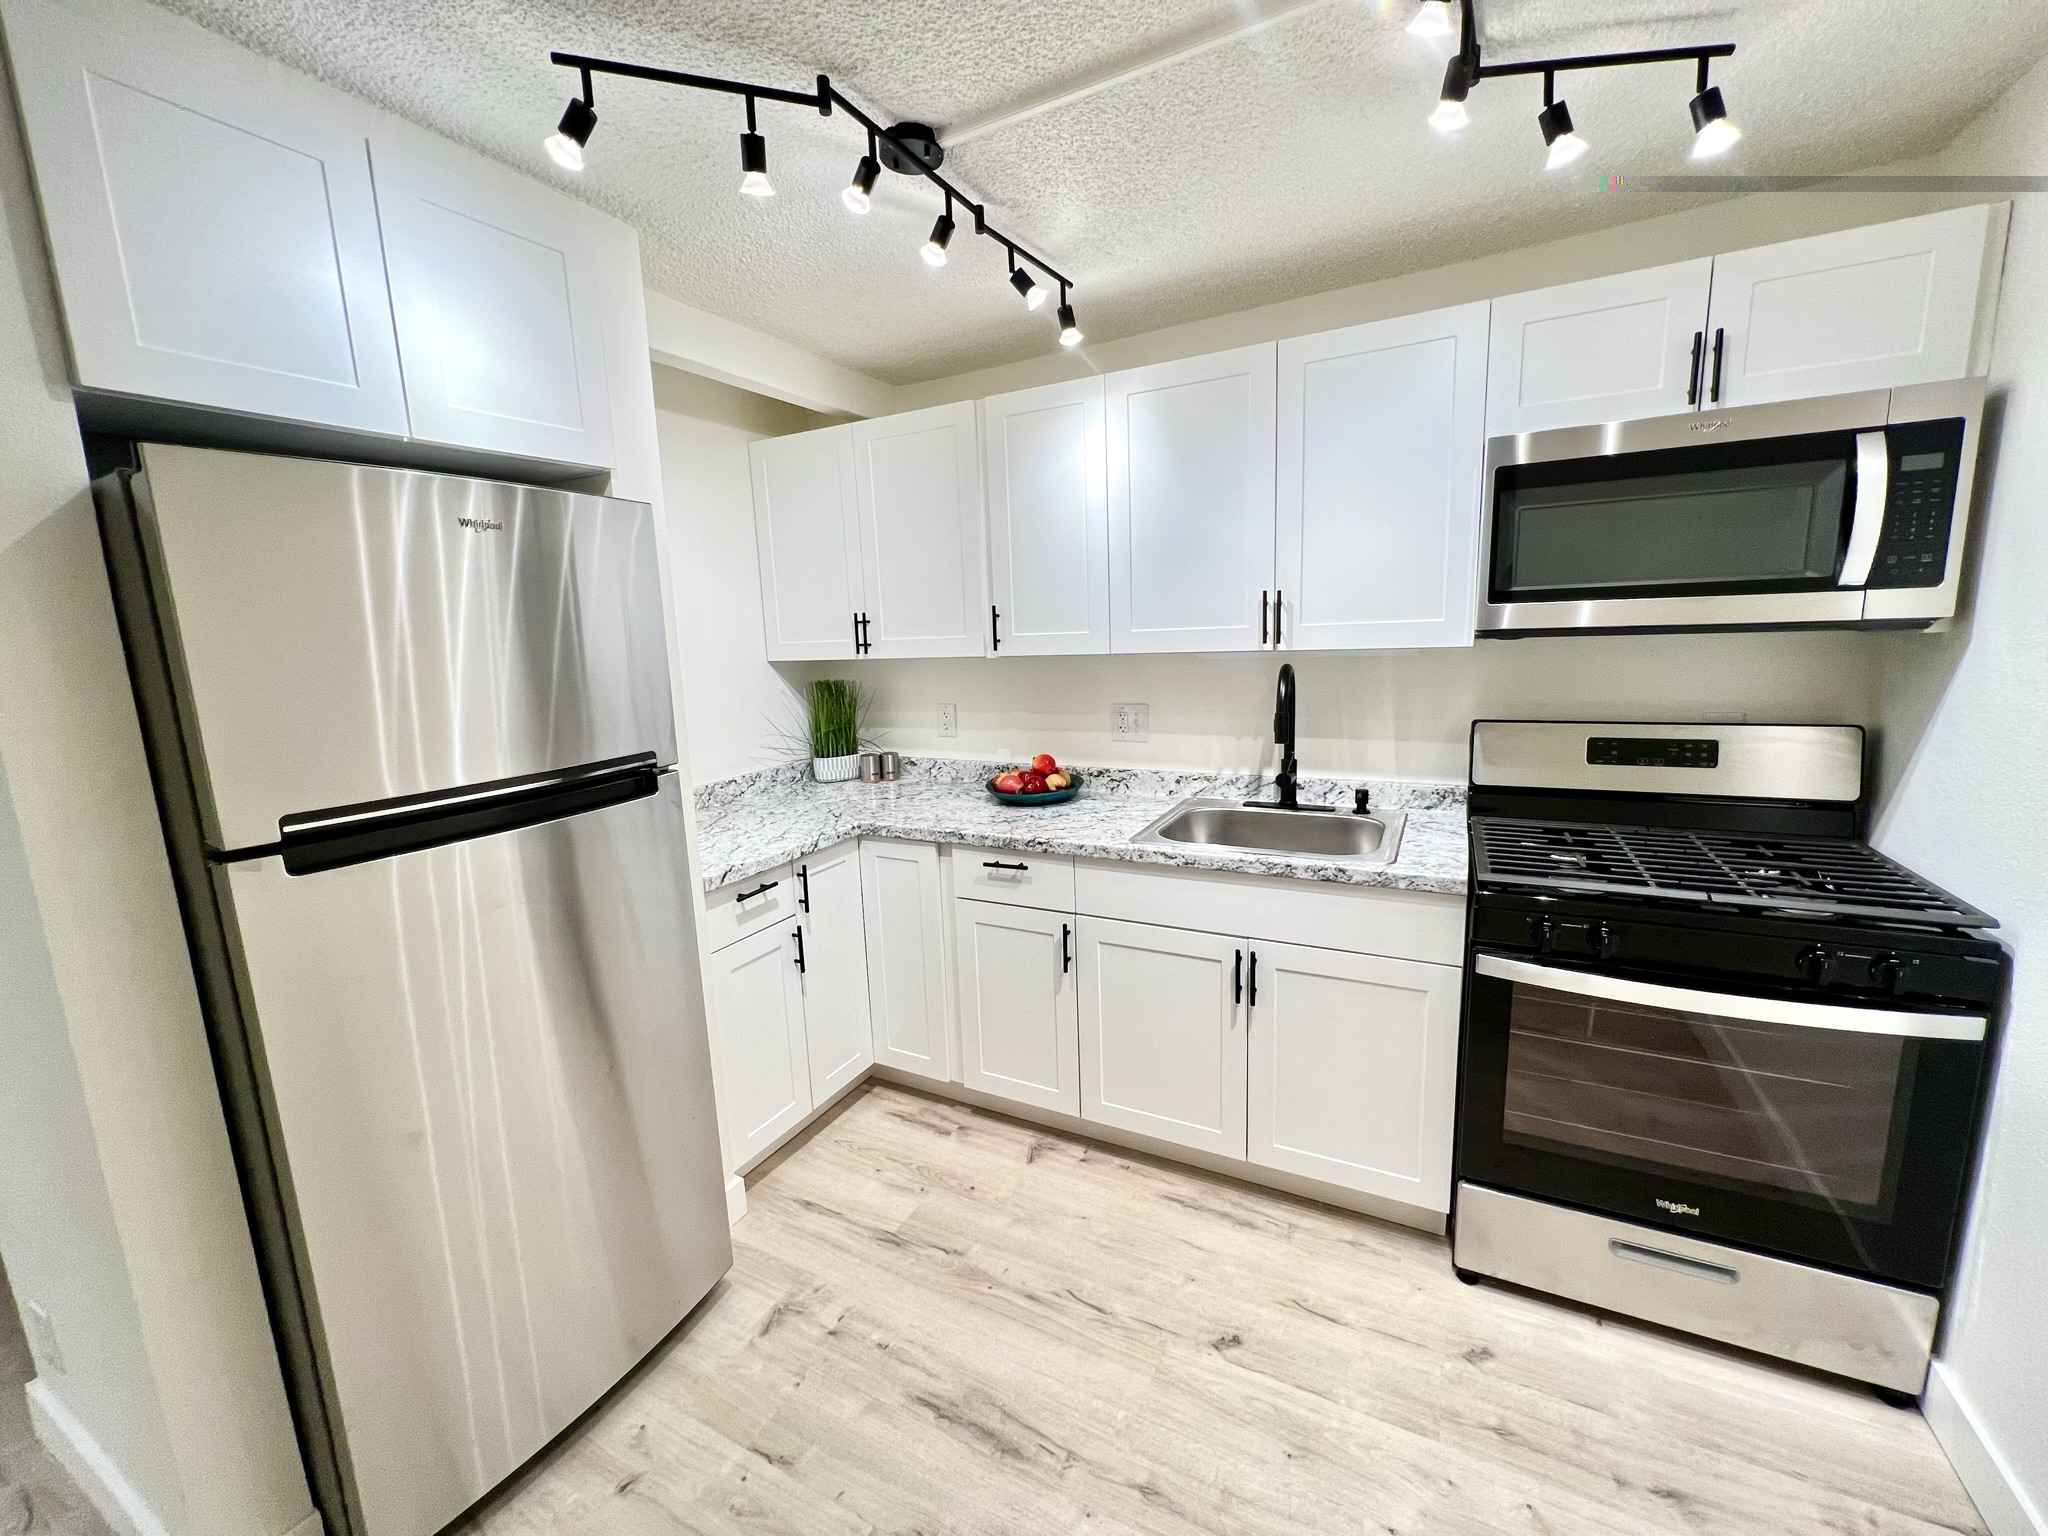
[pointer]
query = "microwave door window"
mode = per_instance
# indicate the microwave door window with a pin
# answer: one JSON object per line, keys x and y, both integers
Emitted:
{"x": 1770, "y": 527}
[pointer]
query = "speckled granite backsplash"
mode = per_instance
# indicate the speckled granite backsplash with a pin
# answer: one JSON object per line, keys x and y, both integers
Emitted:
{"x": 755, "y": 821}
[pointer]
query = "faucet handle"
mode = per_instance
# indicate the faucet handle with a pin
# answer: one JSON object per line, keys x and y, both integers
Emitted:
{"x": 1361, "y": 800}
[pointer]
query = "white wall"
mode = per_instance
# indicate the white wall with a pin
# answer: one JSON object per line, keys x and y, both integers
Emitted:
{"x": 736, "y": 705}
{"x": 1966, "y": 769}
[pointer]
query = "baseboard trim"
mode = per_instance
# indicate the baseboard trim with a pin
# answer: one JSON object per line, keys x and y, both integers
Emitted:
{"x": 118, "y": 1501}
{"x": 1985, "y": 1475}
{"x": 735, "y": 1207}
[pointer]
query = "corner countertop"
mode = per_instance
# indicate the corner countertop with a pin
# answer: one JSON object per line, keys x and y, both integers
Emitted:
{"x": 756, "y": 821}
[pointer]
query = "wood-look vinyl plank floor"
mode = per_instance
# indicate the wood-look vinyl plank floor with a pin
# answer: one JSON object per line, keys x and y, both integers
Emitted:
{"x": 942, "y": 1321}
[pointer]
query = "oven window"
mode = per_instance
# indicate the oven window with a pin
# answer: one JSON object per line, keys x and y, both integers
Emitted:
{"x": 1748, "y": 527}
{"x": 1806, "y": 1114}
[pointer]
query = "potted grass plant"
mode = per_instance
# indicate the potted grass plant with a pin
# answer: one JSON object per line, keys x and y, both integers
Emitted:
{"x": 833, "y": 712}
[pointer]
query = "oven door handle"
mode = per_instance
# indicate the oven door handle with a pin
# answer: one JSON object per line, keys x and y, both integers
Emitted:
{"x": 1727, "y": 1005}
{"x": 1866, "y": 522}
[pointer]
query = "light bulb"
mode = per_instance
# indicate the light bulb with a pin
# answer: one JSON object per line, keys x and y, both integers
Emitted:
{"x": 564, "y": 151}
{"x": 1432, "y": 19}
{"x": 565, "y": 144}
{"x": 857, "y": 195}
{"x": 1712, "y": 133}
{"x": 934, "y": 250}
{"x": 1449, "y": 117}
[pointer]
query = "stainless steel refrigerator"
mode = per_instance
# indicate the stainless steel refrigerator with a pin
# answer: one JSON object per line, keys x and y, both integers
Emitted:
{"x": 414, "y": 745}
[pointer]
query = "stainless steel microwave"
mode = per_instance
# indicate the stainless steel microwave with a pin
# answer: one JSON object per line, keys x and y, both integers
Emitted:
{"x": 1845, "y": 510}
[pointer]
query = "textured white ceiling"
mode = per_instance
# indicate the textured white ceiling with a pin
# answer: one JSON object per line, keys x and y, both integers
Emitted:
{"x": 1293, "y": 161}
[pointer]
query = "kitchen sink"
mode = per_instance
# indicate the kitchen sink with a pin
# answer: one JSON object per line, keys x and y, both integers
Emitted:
{"x": 1230, "y": 824}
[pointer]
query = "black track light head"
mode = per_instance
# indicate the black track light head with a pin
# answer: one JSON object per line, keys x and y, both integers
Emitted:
{"x": 1712, "y": 133}
{"x": 754, "y": 180}
{"x": 1450, "y": 114}
{"x": 857, "y": 195}
{"x": 1028, "y": 288}
{"x": 1070, "y": 330}
{"x": 1565, "y": 145}
{"x": 565, "y": 144}
{"x": 934, "y": 250}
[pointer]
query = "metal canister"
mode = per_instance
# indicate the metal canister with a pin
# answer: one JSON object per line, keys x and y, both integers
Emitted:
{"x": 871, "y": 767}
{"x": 892, "y": 767}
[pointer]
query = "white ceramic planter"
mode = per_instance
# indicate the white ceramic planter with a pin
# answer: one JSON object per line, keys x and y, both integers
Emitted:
{"x": 836, "y": 770}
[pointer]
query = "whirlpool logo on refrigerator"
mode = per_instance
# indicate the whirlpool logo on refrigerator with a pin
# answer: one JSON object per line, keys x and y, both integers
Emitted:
{"x": 1678, "y": 1208}
{"x": 481, "y": 525}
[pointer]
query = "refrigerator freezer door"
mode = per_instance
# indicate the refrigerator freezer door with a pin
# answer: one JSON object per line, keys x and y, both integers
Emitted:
{"x": 488, "y": 1072}
{"x": 345, "y": 634}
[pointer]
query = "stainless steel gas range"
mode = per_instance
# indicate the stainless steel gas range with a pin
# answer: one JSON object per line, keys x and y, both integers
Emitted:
{"x": 1723, "y": 1063}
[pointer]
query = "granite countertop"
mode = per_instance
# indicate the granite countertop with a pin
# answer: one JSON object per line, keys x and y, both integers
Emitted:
{"x": 756, "y": 821}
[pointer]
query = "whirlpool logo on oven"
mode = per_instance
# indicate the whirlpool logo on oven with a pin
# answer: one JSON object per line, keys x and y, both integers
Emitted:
{"x": 1678, "y": 1208}
{"x": 480, "y": 525}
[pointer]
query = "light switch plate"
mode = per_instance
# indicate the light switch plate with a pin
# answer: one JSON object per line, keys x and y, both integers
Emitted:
{"x": 949, "y": 719}
{"x": 1131, "y": 722}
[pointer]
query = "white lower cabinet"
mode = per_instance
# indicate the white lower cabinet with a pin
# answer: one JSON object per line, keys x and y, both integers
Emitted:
{"x": 840, "y": 1043}
{"x": 764, "y": 1074}
{"x": 1354, "y": 1066}
{"x": 1019, "y": 1025}
{"x": 905, "y": 920}
{"x": 1162, "y": 1033}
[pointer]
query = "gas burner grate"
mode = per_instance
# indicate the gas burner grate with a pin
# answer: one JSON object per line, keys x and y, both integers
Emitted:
{"x": 1824, "y": 876}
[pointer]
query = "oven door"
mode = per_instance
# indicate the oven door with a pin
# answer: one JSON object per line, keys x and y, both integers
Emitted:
{"x": 1818, "y": 1130}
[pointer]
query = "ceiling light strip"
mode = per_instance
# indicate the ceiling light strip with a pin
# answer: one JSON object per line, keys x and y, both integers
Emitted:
{"x": 822, "y": 101}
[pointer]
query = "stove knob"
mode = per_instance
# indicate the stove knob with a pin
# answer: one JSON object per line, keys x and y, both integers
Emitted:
{"x": 1600, "y": 940}
{"x": 1884, "y": 972}
{"x": 1817, "y": 965}
{"x": 1542, "y": 933}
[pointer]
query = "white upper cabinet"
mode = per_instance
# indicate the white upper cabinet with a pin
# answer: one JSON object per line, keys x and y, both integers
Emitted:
{"x": 1869, "y": 308}
{"x": 1191, "y": 503}
{"x": 1610, "y": 349}
{"x": 808, "y": 538}
{"x": 1354, "y": 1068}
{"x": 1381, "y": 438}
{"x": 1048, "y": 520}
{"x": 917, "y": 483}
{"x": 210, "y": 245}
{"x": 499, "y": 317}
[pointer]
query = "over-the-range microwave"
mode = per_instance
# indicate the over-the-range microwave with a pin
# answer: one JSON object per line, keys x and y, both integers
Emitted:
{"x": 1849, "y": 509}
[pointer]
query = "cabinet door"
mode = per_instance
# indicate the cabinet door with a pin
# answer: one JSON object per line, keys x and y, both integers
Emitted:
{"x": 1018, "y": 1024}
{"x": 917, "y": 480}
{"x": 1354, "y": 1066}
{"x": 210, "y": 245}
{"x": 907, "y": 981}
{"x": 1610, "y": 349}
{"x": 499, "y": 317}
{"x": 764, "y": 1075}
{"x": 808, "y": 538}
{"x": 1162, "y": 1033}
{"x": 841, "y": 1046}
{"x": 1867, "y": 308}
{"x": 1382, "y": 435}
{"x": 1048, "y": 520}
{"x": 1191, "y": 503}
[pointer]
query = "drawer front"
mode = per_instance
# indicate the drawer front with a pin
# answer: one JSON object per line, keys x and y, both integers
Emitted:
{"x": 1038, "y": 880}
{"x": 734, "y": 911}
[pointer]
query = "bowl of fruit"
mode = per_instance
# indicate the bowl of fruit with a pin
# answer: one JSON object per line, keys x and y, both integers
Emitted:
{"x": 1043, "y": 782}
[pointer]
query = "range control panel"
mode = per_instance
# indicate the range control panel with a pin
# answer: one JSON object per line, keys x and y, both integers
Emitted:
{"x": 1653, "y": 752}
{"x": 1912, "y": 551}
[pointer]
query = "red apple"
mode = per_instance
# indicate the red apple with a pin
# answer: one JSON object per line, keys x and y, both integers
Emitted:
{"x": 1010, "y": 783}
{"x": 1034, "y": 783}
{"x": 1043, "y": 763}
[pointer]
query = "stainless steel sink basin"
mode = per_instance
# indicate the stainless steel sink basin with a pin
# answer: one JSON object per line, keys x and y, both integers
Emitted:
{"x": 1228, "y": 824}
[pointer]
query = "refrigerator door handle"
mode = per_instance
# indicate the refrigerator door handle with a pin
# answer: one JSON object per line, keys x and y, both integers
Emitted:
{"x": 358, "y": 834}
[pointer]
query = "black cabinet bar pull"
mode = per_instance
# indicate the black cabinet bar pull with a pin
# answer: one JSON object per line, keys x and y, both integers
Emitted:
{"x": 799, "y": 932}
{"x": 856, "y": 634}
{"x": 1279, "y": 614}
{"x": 1066, "y": 953}
{"x": 803, "y": 883}
{"x": 762, "y": 889}
{"x": 999, "y": 864}
{"x": 1714, "y": 392}
{"x": 1237, "y": 979}
{"x": 995, "y": 627}
{"x": 1692, "y": 374}
{"x": 1262, "y": 617}
{"x": 1252, "y": 981}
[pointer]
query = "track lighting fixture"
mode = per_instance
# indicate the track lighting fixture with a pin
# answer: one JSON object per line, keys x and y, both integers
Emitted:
{"x": 1450, "y": 114}
{"x": 857, "y": 193}
{"x": 1712, "y": 131}
{"x": 934, "y": 250}
{"x": 565, "y": 144}
{"x": 909, "y": 149}
{"x": 1432, "y": 19}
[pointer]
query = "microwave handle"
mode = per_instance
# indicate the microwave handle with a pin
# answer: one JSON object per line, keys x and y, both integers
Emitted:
{"x": 1866, "y": 522}
{"x": 1754, "y": 1009}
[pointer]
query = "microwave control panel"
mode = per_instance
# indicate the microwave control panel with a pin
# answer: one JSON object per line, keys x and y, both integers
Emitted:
{"x": 1920, "y": 509}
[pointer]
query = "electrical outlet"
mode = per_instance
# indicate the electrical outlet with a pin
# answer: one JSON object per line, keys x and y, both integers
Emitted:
{"x": 1131, "y": 722}
{"x": 42, "y": 1338}
{"x": 949, "y": 719}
